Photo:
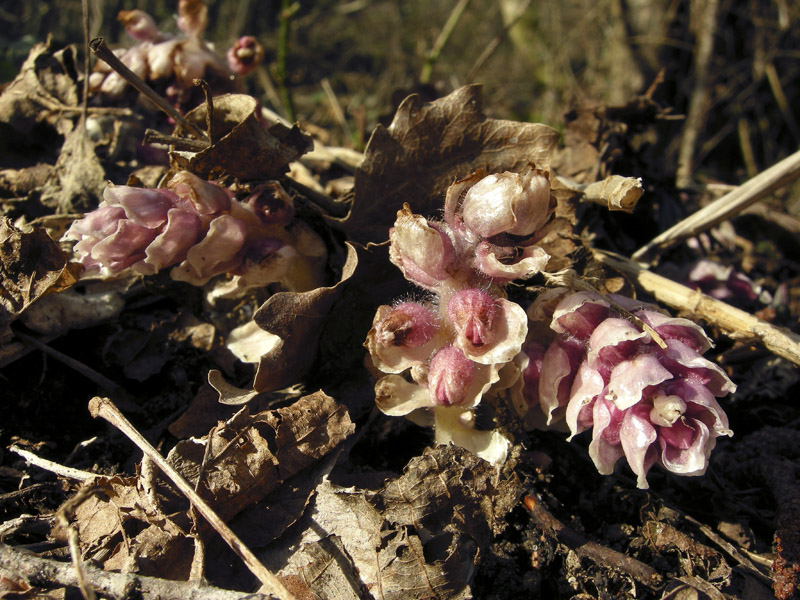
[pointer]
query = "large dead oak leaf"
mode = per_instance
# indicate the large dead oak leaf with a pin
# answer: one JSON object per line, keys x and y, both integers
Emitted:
{"x": 426, "y": 148}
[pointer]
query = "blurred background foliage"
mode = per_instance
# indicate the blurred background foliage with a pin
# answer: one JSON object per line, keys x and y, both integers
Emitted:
{"x": 366, "y": 55}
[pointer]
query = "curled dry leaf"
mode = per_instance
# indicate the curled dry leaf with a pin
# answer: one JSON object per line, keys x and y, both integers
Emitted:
{"x": 45, "y": 85}
{"x": 430, "y": 145}
{"x": 243, "y": 144}
{"x": 297, "y": 318}
{"x": 31, "y": 265}
{"x": 418, "y": 537}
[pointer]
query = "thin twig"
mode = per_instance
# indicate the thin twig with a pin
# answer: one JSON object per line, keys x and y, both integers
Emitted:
{"x": 570, "y": 279}
{"x": 732, "y": 551}
{"x": 101, "y": 380}
{"x": 780, "y": 97}
{"x": 117, "y": 586}
{"x": 203, "y": 85}
{"x": 699, "y": 101}
{"x": 104, "y": 53}
{"x": 736, "y": 323}
{"x": 103, "y": 407}
{"x": 601, "y": 555}
{"x": 282, "y": 54}
{"x": 338, "y": 113}
{"x": 151, "y": 136}
{"x": 86, "y": 61}
{"x": 64, "y": 518}
{"x": 49, "y": 465}
{"x": 433, "y": 56}
{"x": 730, "y": 204}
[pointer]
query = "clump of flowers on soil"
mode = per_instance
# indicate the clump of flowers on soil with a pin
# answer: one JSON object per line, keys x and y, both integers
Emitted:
{"x": 175, "y": 61}
{"x": 200, "y": 230}
{"x": 440, "y": 355}
{"x": 643, "y": 401}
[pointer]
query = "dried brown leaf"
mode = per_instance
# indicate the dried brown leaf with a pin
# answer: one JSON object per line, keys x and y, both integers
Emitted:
{"x": 329, "y": 572}
{"x": 426, "y": 148}
{"x": 419, "y": 536}
{"x": 77, "y": 181}
{"x": 31, "y": 265}
{"x": 45, "y": 85}
{"x": 252, "y": 456}
{"x": 243, "y": 145}
{"x": 297, "y": 318}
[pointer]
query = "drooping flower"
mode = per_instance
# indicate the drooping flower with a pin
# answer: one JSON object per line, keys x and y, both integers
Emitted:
{"x": 198, "y": 228}
{"x": 402, "y": 336}
{"x": 643, "y": 402}
{"x": 501, "y": 216}
{"x": 421, "y": 249}
{"x": 245, "y": 55}
{"x": 487, "y": 239}
{"x": 172, "y": 63}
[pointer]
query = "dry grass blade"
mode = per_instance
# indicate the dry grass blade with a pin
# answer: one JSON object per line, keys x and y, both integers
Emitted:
{"x": 730, "y": 204}
{"x": 736, "y": 323}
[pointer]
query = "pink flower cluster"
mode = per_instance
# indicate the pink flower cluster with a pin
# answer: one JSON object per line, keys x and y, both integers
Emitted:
{"x": 648, "y": 403}
{"x": 175, "y": 61}
{"x": 200, "y": 230}
{"x": 446, "y": 352}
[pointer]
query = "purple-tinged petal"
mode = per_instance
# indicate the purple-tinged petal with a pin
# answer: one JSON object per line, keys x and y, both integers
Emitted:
{"x": 143, "y": 206}
{"x": 559, "y": 365}
{"x": 216, "y": 253}
{"x": 245, "y": 55}
{"x": 450, "y": 377}
{"x": 421, "y": 249}
{"x": 700, "y": 403}
{"x": 503, "y": 264}
{"x": 532, "y": 370}
{"x": 172, "y": 244}
{"x": 507, "y": 203}
{"x": 97, "y": 224}
{"x": 208, "y": 198}
{"x": 686, "y": 446}
{"x": 613, "y": 341}
{"x": 579, "y": 314}
{"x": 637, "y": 436}
{"x": 684, "y": 330}
{"x": 685, "y": 362}
{"x": 402, "y": 336}
{"x": 161, "y": 58}
{"x": 586, "y": 388}
{"x": 396, "y": 397}
{"x": 138, "y": 24}
{"x": 129, "y": 239}
{"x": 605, "y": 449}
{"x": 630, "y": 378}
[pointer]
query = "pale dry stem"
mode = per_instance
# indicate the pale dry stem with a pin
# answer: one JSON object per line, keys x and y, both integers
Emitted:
{"x": 729, "y": 205}
{"x": 735, "y": 322}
